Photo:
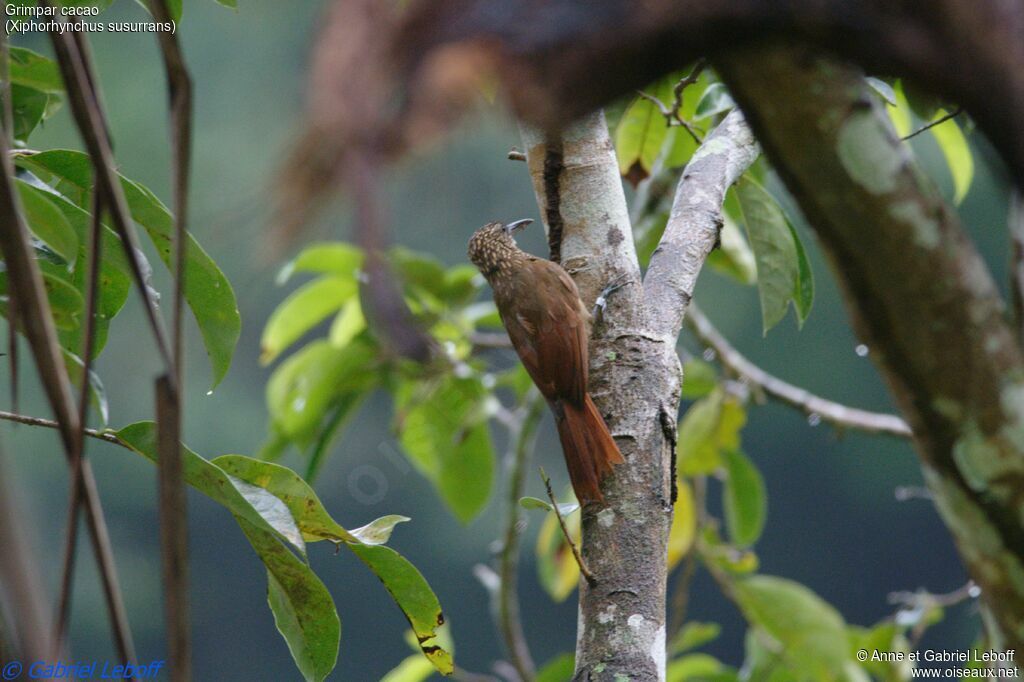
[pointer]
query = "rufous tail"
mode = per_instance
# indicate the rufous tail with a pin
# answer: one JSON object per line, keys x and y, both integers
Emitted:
{"x": 589, "y": 449}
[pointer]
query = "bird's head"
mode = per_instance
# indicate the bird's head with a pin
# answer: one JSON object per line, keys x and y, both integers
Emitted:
{"x": 493, "y": 244}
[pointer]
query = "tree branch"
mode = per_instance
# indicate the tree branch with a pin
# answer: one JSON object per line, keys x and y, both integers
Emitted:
{"x": 694, "y": 223}
{"x": 832, "y": 412}
{"x": 919, "y": 293}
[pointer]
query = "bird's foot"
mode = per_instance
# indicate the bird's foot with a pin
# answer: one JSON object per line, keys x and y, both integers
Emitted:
{"x": 602, "y": 299}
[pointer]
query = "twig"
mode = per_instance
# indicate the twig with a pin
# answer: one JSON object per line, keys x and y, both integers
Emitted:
{"x": 95, "y": 260}
{"x": 173, "y": 510}
{"x": 587, "y": 575}
{"x": 521, "y": 436}
{"x": 671, "y": 120}
{"x": 695, "y": 220}
{"x": 832, "y": 412}
{"x": 52, "y": 424}
{"x": 685, "y": 82}
{"x": 1016, "y": 224}
{"x": 939, "y": 121}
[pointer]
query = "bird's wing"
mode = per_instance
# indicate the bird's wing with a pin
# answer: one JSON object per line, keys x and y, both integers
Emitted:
{"x": 549, "y": 332}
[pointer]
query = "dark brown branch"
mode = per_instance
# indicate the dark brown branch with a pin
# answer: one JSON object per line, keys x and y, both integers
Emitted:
{"x": 105, "y": 436}
{"x": 95, "y": 260}
{"x": 169, "y": 396}
{"x": 832, "y": 412}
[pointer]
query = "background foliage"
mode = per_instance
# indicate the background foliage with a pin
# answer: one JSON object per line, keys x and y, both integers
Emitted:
{"x": 382, "y": 437}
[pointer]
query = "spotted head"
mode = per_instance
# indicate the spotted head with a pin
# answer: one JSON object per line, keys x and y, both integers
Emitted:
{"x": 493, "y": 245}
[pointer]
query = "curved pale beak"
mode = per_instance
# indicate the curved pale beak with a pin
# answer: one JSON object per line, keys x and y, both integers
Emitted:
{"x": 514, "y": 227}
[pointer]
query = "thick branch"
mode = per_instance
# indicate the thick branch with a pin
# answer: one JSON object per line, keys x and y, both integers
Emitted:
{"x": 633, "y": 373}
{"x": 832, "y": 412}
{"x": 920, "y": 296}
{"x": 695, "y": 221}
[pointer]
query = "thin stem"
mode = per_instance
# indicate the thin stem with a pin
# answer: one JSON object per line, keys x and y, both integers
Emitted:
{"x": 587, "y": 575}
{"x": 522, "y": 436}
{"x": 52, "y": 424}
{"x": 829, "y": 411}
{"x": 78, "y": 452}
{"x": 939, "y": 121}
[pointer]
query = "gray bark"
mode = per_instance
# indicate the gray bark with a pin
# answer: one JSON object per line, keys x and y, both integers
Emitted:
{"x": 635, "y": 375}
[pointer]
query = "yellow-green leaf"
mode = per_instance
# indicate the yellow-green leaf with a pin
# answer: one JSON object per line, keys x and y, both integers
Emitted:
{"x": 957, "y": 152}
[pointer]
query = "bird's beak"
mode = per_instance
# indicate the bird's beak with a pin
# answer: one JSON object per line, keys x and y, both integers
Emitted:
{"x": 514, "y": 227}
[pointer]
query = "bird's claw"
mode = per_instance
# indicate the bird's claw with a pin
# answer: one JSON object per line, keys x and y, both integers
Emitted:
{"x": 602, "y": 299}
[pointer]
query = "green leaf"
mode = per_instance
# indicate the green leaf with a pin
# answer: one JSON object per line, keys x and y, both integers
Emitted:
{"x": 378, "y": 531}
{"x": 775, "y": 250}
{"x": 204, "y": 476}
{"x": 412, "y": 669}
{"x": 97, "y": 393}
{"x": 325, "y": 258}
{"x": 957, "y": 152}
{"x": 745, "y": 500}
{"x": 207, "y": 292}
{"x": 444, "y": 431}
{"x": 304, "y": 387}
{"x": 806, "y": 627}
{"x": 35, "y": 71}
{"x": 47, "y": 222}
{"x": 883, "y": 89}
{"x": 347, "y": 324}
{"x": 28, "y": 107}
{"x": 699, "y": 379}
{"x": 804, "y": 298}
{"x": 715, "y": 100}
{"x": 303, "y": 609}
{"x": 711, "y": 426}
{"x": 684, "y": 524}
{"x": 640, "y": 135}
{"x": 414, "y": 597}
{"x": 694, "y": 635}
{"x": 564, "y": 508}
{"x": 66, "y": 304}
{"x": 900, "y": 114}
{"x": 884, "y": 636}
{"x": 558, "y": 669}
{"x": 309, "y": 515}
{"x": 734, "y": 256}
{"x": 694, "y": 667}
{"x": 557, "y": 569}
{"x": 304, "y": 308}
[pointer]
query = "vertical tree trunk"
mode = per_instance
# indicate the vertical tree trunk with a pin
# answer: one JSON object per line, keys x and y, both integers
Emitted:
{"x": 634, "y": 378}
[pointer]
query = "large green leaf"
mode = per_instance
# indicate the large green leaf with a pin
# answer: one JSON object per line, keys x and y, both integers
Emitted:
{"x": 47, "y": 222}
{"x": 780, "y": 260}
{"x": 807, "y": 628}
{"x": 207, "y": 290}
{"x": 414, "y": 597}
{"x": 713, "y": 101}
{"x": 210, "y": 480}
{"x": 28, "y": 107}
{"x": 35, "y": 71}
{"x": 745, "y": 500}
{"x": 303, "y": 609}
{"x": 444, "y": 430}
{"x": 324, "y": 258}
{"x": 709, "y": 428}
{"x": 639, "y": 136}
{"x": 304, "y": 308}
{"x": 305, "y": 386}
{"x": 312, "y": 519}
{"x": 66, "y": 304}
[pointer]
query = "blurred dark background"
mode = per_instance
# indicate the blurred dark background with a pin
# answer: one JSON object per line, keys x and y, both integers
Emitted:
{"x": 834, "y": 522}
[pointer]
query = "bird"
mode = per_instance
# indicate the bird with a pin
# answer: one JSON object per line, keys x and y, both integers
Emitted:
{"x": 549, "y": 328}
